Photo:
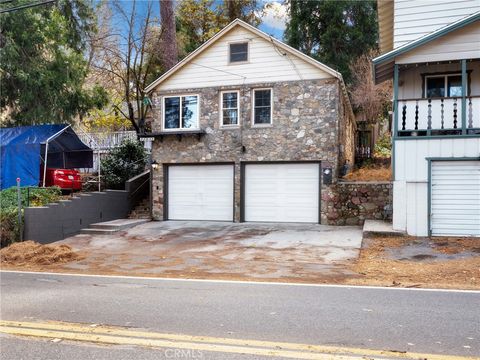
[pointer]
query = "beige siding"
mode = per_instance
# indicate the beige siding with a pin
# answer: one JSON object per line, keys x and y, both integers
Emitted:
{"x": 416, "y": 18}
{"x": 411, "y": 86}
{"x": 266, "y": 64}
{"x": 461, "y": 44}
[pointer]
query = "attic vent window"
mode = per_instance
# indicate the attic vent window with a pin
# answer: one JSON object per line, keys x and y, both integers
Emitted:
{"x": 239, "y": 52}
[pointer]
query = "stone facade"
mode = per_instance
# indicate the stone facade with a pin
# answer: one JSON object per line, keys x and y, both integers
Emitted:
{"x": 351, "y": 203}
{"x": 308, "y": 123}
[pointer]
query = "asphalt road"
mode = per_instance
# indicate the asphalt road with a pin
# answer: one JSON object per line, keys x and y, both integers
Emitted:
{"x": 437, "y": 322}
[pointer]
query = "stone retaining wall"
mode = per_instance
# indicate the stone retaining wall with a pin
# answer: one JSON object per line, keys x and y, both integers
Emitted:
{"x": 351, "y": 203}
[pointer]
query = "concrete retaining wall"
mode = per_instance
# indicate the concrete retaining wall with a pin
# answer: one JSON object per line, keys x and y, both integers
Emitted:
{"x": 351, "y": 203}
{"x": 57, "y": 221}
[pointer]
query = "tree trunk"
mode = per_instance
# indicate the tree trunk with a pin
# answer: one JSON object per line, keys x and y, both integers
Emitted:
{"x": 167, "y": 16}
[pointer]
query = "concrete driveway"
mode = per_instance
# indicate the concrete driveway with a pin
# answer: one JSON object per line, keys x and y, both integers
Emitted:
{"x": 254, "y": 251}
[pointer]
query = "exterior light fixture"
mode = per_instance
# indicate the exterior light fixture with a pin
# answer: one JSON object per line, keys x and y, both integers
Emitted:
{"x": 154, "y": 164}
{"x": 327, "y": 176}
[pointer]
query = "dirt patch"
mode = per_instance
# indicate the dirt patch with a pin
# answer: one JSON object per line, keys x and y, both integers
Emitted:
{"x": 235, "y": 253}
{"x": 377, "y": 173}
{"x": 31, "y": 254}
{"x": 429, "y": 267}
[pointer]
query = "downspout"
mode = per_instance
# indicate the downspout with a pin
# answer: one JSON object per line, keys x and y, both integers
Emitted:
{"x": 46, "y": 151}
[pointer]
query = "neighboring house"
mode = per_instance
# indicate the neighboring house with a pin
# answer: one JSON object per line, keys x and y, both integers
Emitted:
{"x": 431, "y": 49}
{"x": 248, "y": 129}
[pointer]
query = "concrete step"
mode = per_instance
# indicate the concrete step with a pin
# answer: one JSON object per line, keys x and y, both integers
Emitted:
{"x": 98, "y": 231}
{"x": 118, "y": 225}
{"x": 375, "y": 228}
{"x": 134, "y": 216}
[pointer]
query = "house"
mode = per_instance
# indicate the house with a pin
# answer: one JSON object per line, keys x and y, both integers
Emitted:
{"x": 431, "y": 49}
{"x": 248, "y": 129}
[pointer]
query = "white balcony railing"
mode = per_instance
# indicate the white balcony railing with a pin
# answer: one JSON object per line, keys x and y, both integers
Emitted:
{"x": 438, "y": 116}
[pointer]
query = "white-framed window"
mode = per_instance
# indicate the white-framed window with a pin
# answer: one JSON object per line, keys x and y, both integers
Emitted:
{"x": 262, "y": 108}
{"x": 230, "y": 108}
{"x": 180, "y": 112}
{"x": 443, "y": 85}
{"x": 238, "y": 52}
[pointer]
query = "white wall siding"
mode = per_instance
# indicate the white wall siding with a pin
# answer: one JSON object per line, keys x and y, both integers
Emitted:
{"x": 399, "y": 221}
{"x": 410, "y": 155}
{"x": 410, "y": 189}
{"x": 416, "y": 18}
{"x": 463, "y": 43}
{"x": 266, "y": 64}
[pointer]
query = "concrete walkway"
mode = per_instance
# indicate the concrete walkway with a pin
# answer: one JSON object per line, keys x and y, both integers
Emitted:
{"x": 258, "y": 251}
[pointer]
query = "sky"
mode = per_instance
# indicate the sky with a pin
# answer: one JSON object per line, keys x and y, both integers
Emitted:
{"x": 274, "y": 18}
{"x": 274, "y": 15}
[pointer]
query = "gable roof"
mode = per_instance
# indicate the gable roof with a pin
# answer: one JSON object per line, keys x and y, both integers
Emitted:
{"x": 383, "y": 64}
{"x": 252, "y": 29}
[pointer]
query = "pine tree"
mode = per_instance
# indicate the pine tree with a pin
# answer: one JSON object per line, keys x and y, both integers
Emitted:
{"x": 332, "y": 31}
{"x": 43, "y": 68}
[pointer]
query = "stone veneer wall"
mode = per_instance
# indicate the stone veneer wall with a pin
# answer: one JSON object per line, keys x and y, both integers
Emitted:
{"x": 351, "y": 203}
{"x": 306, "y": 118}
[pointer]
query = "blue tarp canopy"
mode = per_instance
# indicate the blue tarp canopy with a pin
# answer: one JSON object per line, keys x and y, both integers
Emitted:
{"x": 23, "y": 151}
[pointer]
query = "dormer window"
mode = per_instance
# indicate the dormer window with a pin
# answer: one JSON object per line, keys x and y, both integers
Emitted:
{"x": 239, "y": 52}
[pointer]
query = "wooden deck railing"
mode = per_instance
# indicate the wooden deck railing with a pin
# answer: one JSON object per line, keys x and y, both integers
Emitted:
{"x": 438, "y": 116}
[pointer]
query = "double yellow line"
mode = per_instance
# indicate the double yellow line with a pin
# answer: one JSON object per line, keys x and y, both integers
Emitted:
{"x": 123, "y": 336}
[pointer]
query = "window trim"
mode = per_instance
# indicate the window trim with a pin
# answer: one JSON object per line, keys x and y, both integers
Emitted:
{"x": 445, "y": 76}
{"x": 222, "y": 125}
{"x": 197, "y": 120}
{"x": 271, "y": 107}
{"x": 229, "y": 52}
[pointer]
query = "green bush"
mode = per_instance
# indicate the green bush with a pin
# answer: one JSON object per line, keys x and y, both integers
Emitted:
{"x": 34, "y": 196}
{"x": 123, "y": 162}
{"x": 383, "y": 147}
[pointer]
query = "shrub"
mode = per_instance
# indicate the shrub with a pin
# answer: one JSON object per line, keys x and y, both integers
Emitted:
{"x": 123, "y": 162}
{"x": 383, "y": 147}
{"x": 9, "y": 226}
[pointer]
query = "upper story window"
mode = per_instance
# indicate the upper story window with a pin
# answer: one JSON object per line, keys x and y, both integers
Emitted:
{"x": 262, "y": 106}
{"x": 443, "y": 85}
{"x": 230, "y": 108}
{"x": 180, "y": 112}
{"x": 238, "y": 52}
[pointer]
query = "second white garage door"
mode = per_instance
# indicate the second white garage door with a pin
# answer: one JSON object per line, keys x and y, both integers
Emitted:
{"x": 455, "y": 198}
{"x": 200, "y": 192}
{"x": 282, "y": 192}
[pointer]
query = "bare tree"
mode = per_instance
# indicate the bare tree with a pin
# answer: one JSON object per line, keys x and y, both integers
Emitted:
{"x": 170, "y": 50}
{"x": 123, "y": 58}
{"x": 370, "y": 99}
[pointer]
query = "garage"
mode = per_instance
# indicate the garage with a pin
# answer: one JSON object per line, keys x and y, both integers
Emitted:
{"x": 282, "y": 192}
{"x": 200, "y": 192}
{"x": 455, "y": 198}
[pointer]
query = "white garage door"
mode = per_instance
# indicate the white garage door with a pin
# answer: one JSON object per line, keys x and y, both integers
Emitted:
{"x": 200, "y": 192}
{"x": 282, "y": 192}
{"x": 455, "y": 198}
